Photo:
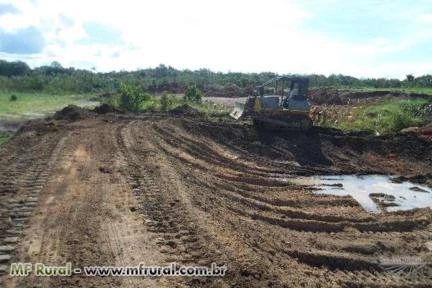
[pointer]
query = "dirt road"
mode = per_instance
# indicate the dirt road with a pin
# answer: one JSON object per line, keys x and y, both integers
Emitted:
{"x": 120, "y": 190}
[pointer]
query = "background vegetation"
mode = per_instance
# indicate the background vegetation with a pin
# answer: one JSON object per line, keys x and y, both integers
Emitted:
{"x": 29, "y": 93}
{"x": 129, "y": 98}
{"x": 54, "y": 79}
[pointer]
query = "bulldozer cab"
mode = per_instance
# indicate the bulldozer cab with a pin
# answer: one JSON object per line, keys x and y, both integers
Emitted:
{"x": 291, "y": 92}
{"x": 285, "y": 86}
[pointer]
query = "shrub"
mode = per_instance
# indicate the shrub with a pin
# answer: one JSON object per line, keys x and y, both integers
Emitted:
{"x": 167, "y": 101}
{"x": 131, "y": 98}
{"x": 193, "y": 94}
{"x": 387, "y": 117}
{"x": 13, "y": 98}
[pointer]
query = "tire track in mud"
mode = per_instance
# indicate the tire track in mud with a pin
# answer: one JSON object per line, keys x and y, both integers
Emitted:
{"x": 65, "y": 227}
{"x": 259, "y": 202}
{"x": 253, "y": 146}
{"x": 128, "y": 237}
{"x": 23, "y": 174}
{"x": 86, "y": 217}
{"x": 171, "y": 196}
{"x": 353, "y": 266}
{"x": 213, "y": 244}
{"x": 166, "y": 215}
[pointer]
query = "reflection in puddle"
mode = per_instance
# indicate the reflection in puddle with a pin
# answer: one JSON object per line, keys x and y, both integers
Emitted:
{"x": 367, "y": 188}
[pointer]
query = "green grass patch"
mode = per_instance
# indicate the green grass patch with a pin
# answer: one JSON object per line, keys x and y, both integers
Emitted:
{"x": 34, "y": 105}
{"x": 4, "y": 137}
{"x": 387, "y": 117}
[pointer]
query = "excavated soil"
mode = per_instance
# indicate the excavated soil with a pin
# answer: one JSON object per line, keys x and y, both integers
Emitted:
{"x": 185, "y": 110}
{"x": 120, "y": 190}
{"x": 72, "y": 113}
{"x": 328, "y": 96}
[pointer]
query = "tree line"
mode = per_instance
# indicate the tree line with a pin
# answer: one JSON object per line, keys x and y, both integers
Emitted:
{"x": 18, "y": 76}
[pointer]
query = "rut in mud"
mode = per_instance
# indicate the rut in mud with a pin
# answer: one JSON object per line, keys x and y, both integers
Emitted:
{"x": 119, "y": 190}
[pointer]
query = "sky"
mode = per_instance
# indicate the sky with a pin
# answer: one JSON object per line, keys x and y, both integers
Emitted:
{"x": 368, "y": 38}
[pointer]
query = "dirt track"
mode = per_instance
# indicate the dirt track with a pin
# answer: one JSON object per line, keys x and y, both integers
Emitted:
{"x": 119, "y": 190}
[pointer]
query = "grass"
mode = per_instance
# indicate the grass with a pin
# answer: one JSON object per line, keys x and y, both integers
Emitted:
{"x": 4, "y": 137}
{"x": 34, "y": 105}
{"x": 386, "y": 117}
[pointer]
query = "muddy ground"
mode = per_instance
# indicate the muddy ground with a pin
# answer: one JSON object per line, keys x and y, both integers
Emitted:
{"x": 120, "y": 189}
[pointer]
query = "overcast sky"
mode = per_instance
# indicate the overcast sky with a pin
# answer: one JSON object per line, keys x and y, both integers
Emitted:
{"x": 368, "y": 38}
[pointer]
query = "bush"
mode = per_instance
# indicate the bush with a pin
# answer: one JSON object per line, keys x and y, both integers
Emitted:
{"x": 13, "y": 98}
{"x": 387, "y": 117}
{"x": 131, "y": 98}
{"x": 167, "y": 101}
{"x": 193, "y": 94}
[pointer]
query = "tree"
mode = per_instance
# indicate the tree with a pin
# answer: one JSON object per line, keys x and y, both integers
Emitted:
{"x": 410, "y": 78}
{"x": 193, "y": 94}
{"x": 17, "y": 68}
{"x": 53, "y": 78}
{"x": 56, "y": 64}
{"x": 166, "y": 101}
{"x": 131, "y": 98}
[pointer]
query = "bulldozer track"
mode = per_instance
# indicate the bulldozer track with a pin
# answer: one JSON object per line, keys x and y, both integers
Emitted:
{"x": 22, "y": 177}
{"x": 165, "y": 214}
{"x": 225, "y": 183}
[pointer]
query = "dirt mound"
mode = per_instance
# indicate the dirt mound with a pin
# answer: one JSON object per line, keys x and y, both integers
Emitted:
{"x": 324, "y": 96}
{"x": 6, "y": 126}
{"x": 423, "y": 132}
{"x": 185, "y": 110}
{"x": 72, "y": 113}
{"x": 37, "y": 126}
{"x": 319, "y": 147}
{"x": 106, "y": 108}
{"x": 338, "y": 97}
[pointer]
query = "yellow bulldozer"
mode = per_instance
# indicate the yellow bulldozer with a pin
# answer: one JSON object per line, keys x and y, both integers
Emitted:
{"x": 281, "y": 104}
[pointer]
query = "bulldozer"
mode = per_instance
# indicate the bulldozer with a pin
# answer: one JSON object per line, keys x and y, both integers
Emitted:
{"x": 286, "y": 107}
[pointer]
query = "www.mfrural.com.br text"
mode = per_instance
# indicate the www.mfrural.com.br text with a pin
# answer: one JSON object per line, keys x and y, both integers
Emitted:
{"x": 172, "y": 269}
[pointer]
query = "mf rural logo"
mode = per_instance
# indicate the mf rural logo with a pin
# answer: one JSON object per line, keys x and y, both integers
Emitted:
{"x": 403, "y": 264}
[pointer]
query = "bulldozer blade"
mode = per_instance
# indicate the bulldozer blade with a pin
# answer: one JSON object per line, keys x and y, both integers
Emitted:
{"x": 238, "y": 110}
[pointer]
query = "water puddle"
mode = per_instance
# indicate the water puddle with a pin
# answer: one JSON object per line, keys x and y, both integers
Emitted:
{"x": 369, "y": 190}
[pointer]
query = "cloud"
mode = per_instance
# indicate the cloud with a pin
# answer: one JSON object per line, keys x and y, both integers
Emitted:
{"x": 7, "y": 9}
{"x": 102, "y": 34}
{"x": 425, "y": 18}
{"x": 335, "y": 36}
{"x": 25, "y": 41}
